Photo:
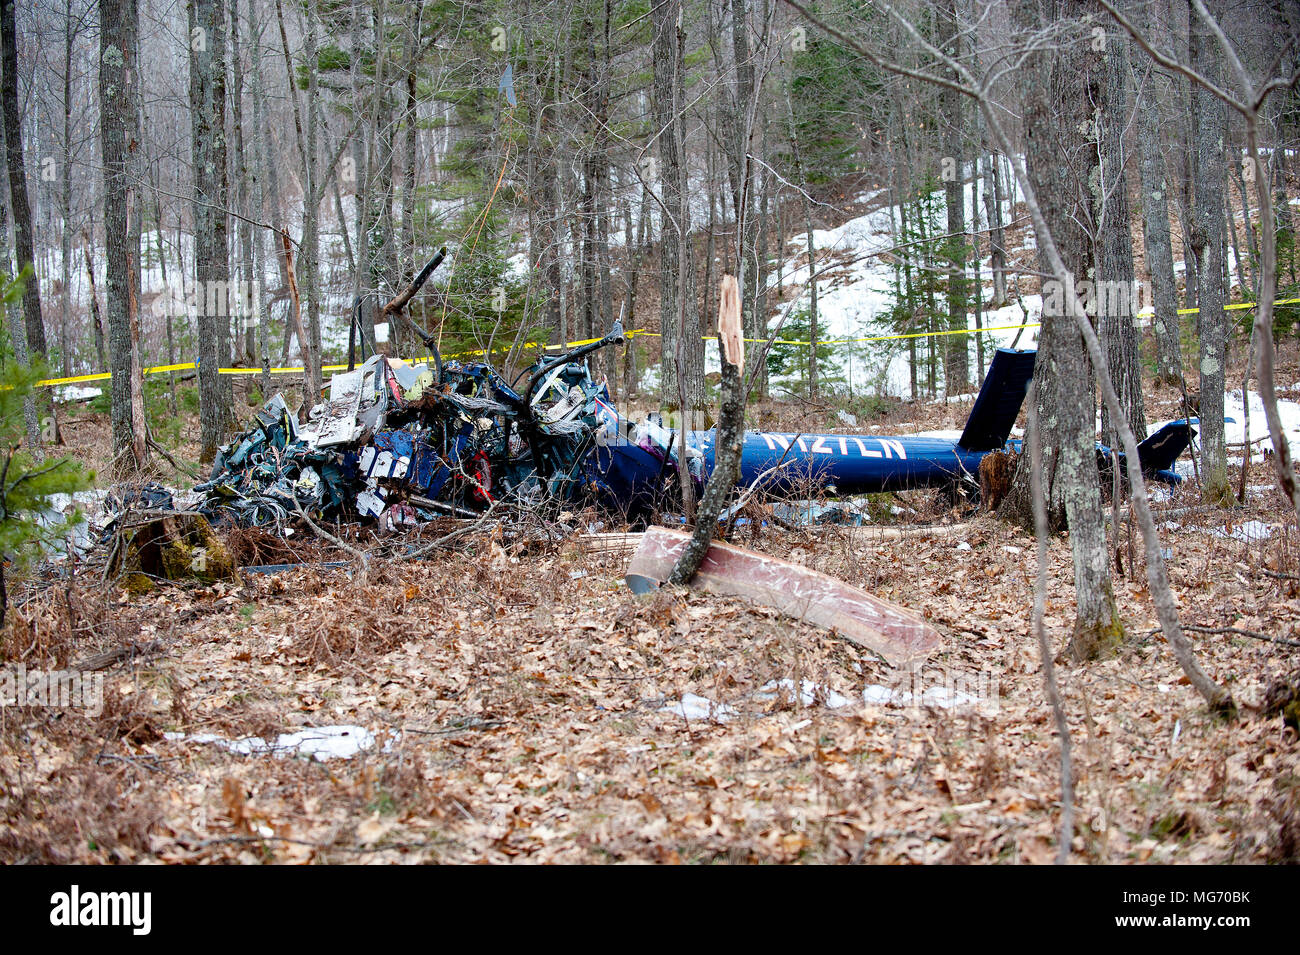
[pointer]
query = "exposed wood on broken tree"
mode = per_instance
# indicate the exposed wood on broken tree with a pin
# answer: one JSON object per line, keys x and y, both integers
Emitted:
{"x": 731, "y": 423}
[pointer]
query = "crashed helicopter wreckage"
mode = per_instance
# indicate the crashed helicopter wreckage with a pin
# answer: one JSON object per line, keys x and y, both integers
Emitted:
{"x": 402, "y": 443}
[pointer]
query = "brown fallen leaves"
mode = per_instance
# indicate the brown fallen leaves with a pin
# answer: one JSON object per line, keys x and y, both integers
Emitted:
{"x": 523, "y": 715}
{"x": 527, "y": 708}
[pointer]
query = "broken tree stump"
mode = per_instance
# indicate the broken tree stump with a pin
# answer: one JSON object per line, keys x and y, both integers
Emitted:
{"x": 996, "y": 473}
{"x": 168, "y": 545}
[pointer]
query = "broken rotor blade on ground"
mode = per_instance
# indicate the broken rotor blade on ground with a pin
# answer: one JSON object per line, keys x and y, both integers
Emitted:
{"x": 898, "y": 635}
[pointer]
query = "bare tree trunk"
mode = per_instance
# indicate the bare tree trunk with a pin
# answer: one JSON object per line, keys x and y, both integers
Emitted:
{"x": 956, "y": 351}
{"x": 1059, "y": 163}
{"x": 17, "y": 169}
{"x": 1156, "y": 230}
{"x": 95, "y": 318}
{"x": 1286, "y": 232}
{"x": 1045, "y": 656}
{"x": 309, "y": 254}
{"x": 265, "y": 186}
{"x": 117, "y": 78}
{"x": 361, "y": 182}
{"x": 13, "y": 318}
{"x": 1209, "y": 245}
{"x": 683, "y": 358}
{"x": 636, "y": 250}
{"x": 1230, "y": 230}
{"x": 977, "y": 278}
{"x": 246, "y": 338}
{"x": 1115, "y": 286}
{"x": 756, "y": 329}
{"x": 211, "y": 196}
{"x": 802, "y": 178}
{"x": 65, "y": 195}
{"x": 33, "y": 322}
{"x": 410, "y": 119}
{"x": 167, "y": 317}
{"x": 603, "y": 225}
{"x": 997, "y": 240}
{"x": 1248, "y": 226}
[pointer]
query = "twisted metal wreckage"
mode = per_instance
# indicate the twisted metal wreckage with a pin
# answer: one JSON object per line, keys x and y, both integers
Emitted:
{"x": 402, "y": 443}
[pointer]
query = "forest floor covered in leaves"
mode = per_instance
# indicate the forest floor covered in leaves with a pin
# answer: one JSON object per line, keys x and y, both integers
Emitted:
{"x": 515, "y": 702}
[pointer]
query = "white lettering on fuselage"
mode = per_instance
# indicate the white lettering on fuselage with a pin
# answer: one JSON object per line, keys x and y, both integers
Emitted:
{"x": 888, "y": 447}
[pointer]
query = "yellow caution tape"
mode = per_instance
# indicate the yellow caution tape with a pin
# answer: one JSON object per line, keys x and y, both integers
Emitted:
{"x": 633, "y": 333}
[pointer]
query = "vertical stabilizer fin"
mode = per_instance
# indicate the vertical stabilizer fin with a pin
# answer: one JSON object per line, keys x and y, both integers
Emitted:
{"x": 999, "y": 401}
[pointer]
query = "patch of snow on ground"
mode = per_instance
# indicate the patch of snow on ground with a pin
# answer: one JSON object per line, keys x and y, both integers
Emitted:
{"x": 1234, "y": 430}
{"x": 76, "y": 392}
{"x": 809, "y": 693}
{"x": 855, "y": 290}
{"x": 321, "y": 742}
{"x": 942, "y": 697}
{"x": 1246, "y": 531}
{"x": 699, "y": 709}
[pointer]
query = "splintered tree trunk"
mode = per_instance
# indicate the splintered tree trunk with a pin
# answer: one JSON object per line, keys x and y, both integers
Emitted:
{"x": 1114, "y": 277}
{"x": 1054, "y": 110}
{"x": 117, "y": 118}
{"x": 730, "y": 433}
{"x": 736, "y": 110}
{"x": 1209, "y": 242}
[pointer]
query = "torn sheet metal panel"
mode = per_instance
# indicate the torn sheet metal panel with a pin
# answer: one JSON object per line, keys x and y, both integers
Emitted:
{"x": 898, "y": 635}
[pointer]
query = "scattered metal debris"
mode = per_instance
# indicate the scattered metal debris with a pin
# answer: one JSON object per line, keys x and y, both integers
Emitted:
{"x": 403, "y": 444}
